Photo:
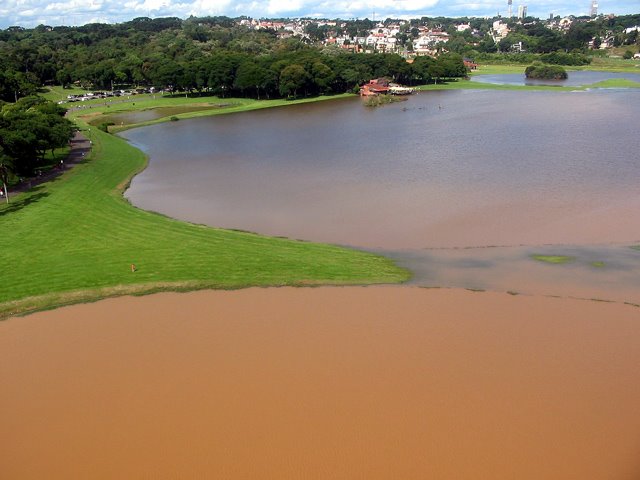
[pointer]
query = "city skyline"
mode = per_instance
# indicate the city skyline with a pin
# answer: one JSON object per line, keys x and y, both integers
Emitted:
{"x": 30, "y": 13}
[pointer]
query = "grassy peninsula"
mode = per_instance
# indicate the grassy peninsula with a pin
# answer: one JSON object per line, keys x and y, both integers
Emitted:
{"x": 74, "y": 239}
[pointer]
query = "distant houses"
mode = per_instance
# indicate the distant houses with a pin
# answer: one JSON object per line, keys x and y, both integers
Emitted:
{"x": 470, "y": 64}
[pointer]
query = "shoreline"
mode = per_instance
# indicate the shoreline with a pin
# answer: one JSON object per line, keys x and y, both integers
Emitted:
{"x": 92, "y": 243}
{"x": 244, "y": 104}
{"x": 96, "y": 292}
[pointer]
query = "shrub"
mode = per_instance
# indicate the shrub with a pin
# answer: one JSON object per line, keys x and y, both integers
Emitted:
{"x": 546, "y": 72}
{"x": 105, "y": 126}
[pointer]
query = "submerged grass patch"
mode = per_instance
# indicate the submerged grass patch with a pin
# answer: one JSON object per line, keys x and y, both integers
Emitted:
{"x": 74, "y": 239}
{"x": 191, "y": 107}
{"x": 615, "y": 83}
{"x": 553, "y": 259}
{"x": 465, "y": 84}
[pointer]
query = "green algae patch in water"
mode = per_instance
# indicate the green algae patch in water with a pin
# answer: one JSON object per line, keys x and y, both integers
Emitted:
{"x": 553, "y": 259}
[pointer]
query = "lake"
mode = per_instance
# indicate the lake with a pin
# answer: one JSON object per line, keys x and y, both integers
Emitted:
{"x": 443, "y": 169}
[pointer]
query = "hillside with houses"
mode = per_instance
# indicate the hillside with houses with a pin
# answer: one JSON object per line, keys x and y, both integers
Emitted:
{"x": 266, "y": 58}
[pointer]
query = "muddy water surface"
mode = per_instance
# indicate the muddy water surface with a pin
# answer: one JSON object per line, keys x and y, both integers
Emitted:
{"x": 521, "y": 170}
{"x": 375, "y": 383}
{"x": 444, "y": 169}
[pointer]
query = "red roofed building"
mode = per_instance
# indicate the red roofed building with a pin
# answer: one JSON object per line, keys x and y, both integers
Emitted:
{"x": 375, "y": 87}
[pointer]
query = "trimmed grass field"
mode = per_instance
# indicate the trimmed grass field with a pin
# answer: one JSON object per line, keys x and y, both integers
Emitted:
{"x": 74, "y": 239}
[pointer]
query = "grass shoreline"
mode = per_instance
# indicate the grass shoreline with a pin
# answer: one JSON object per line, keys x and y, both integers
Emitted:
{"x": 72, "y": 240}
{"x": 57, "y": 234}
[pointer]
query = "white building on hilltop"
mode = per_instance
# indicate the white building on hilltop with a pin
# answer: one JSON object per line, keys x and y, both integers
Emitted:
{"x": 522, "y": 11}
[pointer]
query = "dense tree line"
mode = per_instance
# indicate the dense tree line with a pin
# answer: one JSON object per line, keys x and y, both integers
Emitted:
{"x": 218, "y": 54}
{"x": 214, "y": 55}
{"x": 28, "y": 129}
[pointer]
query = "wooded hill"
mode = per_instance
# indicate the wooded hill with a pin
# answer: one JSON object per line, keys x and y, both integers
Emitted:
{"x": 213, "y": 55}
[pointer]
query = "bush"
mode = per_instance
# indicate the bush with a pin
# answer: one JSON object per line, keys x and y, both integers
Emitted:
{"x": 627, "y": 55}
{"x": 105, "y": 126}
{"x": 562, "y": 58}
{"x": 545, "y": 72}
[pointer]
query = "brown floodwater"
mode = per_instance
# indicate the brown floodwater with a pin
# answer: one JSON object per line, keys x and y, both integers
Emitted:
{"x": 550, "y": 173}
{"x": 444, "y": 169}
{"x": 374, "y": 383}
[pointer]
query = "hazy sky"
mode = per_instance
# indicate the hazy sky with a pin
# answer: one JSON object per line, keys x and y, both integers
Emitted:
{"x": 30, "y": 13}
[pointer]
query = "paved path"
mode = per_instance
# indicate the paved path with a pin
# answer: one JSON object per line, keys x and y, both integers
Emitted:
{"x": 80, "y": 148}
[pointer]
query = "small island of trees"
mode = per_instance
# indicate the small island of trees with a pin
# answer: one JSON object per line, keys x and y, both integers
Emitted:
{"x": 540, "y": 71}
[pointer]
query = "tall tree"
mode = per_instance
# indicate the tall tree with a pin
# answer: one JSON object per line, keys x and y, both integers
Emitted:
{"x": 292, "y": 79}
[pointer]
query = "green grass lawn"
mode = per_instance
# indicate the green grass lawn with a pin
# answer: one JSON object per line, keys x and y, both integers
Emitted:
{"x": 498, "y": 69}
{"x": 613, "y": 64}
{"x": 74, "y": 240}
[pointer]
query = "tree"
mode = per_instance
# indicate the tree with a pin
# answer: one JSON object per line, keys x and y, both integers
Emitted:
{"x": 250, "y": 75}
{"x": 28, "y": 129}
{"x": 487, "y": 45}
{"x": 292, "y": 78}
{"x": 422, "y": 68}
{"x": 452, "y": 65}
{"x": 323, "y": 76}
{"x": 222, "y": 69}
{"x": 6, "y": 169}
{"x": 549, "y": 72}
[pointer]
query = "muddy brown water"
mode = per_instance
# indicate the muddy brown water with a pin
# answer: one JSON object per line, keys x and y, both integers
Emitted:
{"x": 362, "y": 382}
{"x": 550, "y": 173}
{"x": 375, "y": 383}
{"x": 444, "y": 169}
